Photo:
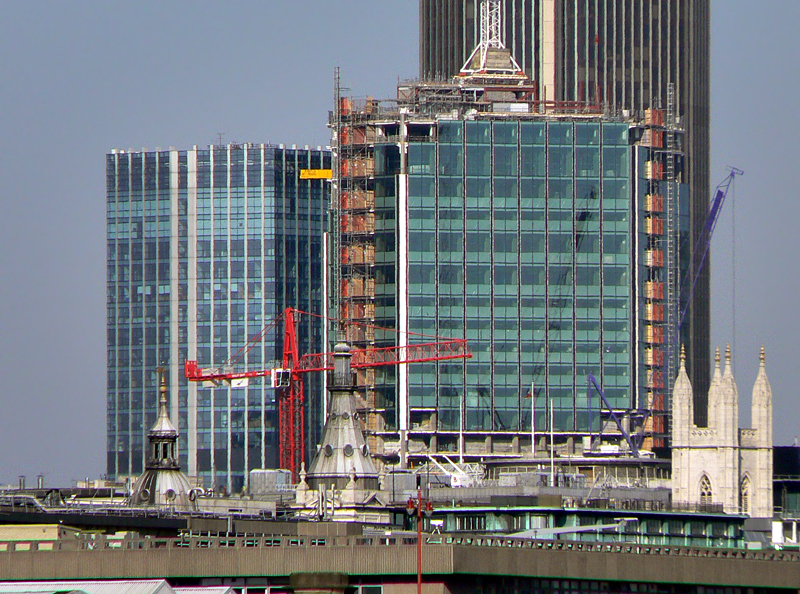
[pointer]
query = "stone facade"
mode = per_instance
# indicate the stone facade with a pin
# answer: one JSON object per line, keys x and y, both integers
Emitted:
{"x": 721, "y": 463}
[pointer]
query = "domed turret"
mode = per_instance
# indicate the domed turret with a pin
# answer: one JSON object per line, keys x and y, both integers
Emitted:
{"x": 343, "y": 456}
{"x": 162, "y": 483}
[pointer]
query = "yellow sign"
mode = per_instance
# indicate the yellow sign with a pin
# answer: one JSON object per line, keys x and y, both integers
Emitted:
{"x": 316, "y": 173}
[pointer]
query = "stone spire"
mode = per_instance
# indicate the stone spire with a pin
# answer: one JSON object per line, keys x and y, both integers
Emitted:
{"x": 682, "y": 405}
{"x": 761, "y": 412}
{"x": 728, "y": 371}
{"x": 723, "y": 400}
{"x": 714, "y": 393}
{"x": 761, "y": 469}
{"x": 727, "y": 408}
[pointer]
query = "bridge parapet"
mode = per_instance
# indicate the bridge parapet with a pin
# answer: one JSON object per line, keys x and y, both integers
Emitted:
{"x": 201, "y": 541}
{"x": 207, "y": 556}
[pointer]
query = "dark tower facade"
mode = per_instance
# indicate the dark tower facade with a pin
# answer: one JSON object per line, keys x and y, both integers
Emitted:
{"x": 624, "y": 55}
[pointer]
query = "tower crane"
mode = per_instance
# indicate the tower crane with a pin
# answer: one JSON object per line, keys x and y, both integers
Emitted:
{"x": 288, "y": 379}
{"x": 704, "y": 241}
{"x": 687, "y": 288}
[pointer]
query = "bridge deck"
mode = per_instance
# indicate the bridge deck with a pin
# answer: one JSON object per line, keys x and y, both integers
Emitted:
{"x": 255, "y": 556}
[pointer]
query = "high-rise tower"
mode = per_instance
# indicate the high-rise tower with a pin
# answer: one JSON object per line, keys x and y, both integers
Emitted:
{"x": 621, "y": 54}
{"x": 205, "y": 247}
{"x": 544, "y": 233}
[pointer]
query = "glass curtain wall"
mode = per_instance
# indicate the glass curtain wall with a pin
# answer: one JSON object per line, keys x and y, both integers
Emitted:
{"x": 205, "y": 248}
{"x": 519, "y": 236}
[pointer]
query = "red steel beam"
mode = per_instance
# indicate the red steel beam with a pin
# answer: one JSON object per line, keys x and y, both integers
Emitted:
{"x": 362, "y": 358}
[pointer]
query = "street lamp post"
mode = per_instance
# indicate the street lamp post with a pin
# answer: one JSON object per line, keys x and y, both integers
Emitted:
{"x": 412, "y": 508}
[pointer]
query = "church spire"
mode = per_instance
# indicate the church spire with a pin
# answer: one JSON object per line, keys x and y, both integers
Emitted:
{"x": 682, "y": 405}
{"x": 163, "y": 427}
{"x": 728, "y": 370}
{"x": 162, "y": 483}
{"x": 761, "y": 403}
{"x": 343, "y": 450}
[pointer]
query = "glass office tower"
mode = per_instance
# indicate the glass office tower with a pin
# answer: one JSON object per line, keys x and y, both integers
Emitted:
{"x": 205, "y": 248}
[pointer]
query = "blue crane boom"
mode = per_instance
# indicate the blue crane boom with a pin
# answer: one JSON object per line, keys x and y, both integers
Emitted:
{"x": 625, "y": 434}
{"x": 704, "y": 241}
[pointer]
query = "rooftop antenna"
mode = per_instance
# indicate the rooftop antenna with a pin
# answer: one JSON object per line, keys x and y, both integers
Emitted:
{"x": 480, "y": 60}
{"x": 220, "y": 136}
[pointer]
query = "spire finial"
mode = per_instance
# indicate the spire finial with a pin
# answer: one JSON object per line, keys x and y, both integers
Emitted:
{"x": 716, "y": 358}
{"x": 163, "y": 423}
{"x": 762, "y": 357}
{"x": 303, "y": 473}
{"x": 162, "y": 397}
{"x": 728, "y": 354}
{"x": 683, "y": 355}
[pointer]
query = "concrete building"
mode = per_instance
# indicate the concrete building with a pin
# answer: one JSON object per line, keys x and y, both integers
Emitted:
{"x": 132, "y": 586}
{"x": 721, "y": 463}
{"x": 545, "y": 235}
{"x": 206, "y": 247}
{"x": 622, "y": 55}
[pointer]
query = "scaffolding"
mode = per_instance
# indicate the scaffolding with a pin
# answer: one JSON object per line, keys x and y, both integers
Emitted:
{"x": 353, "y": 241}
{"x": 661, "y": 138}
{"x": 672, "y": 272}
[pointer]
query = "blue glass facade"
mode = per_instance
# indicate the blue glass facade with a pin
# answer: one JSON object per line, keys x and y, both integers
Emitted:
{"x": 205, "y": 247}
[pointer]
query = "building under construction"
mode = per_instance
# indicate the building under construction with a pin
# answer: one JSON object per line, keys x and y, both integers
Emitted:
{"x": 545, "y": 233}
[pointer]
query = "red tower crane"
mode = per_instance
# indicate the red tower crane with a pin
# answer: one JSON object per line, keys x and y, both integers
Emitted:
{"x": 289, "y": 379}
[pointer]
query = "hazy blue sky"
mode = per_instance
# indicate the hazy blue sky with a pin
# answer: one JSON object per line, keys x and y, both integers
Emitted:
{"x": 80, "y": 78}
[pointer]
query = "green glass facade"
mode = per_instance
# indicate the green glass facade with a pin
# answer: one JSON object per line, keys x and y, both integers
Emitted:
{"x": 519, "y": 238}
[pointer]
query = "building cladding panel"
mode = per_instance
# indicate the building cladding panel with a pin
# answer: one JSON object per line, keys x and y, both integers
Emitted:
{"x": 520, "y": 240}
{"x": 205, "y": 248}
{"x": 621, "y": 53}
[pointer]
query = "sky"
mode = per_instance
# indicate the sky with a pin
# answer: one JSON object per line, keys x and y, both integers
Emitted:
{"x": 78, "y": 79}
